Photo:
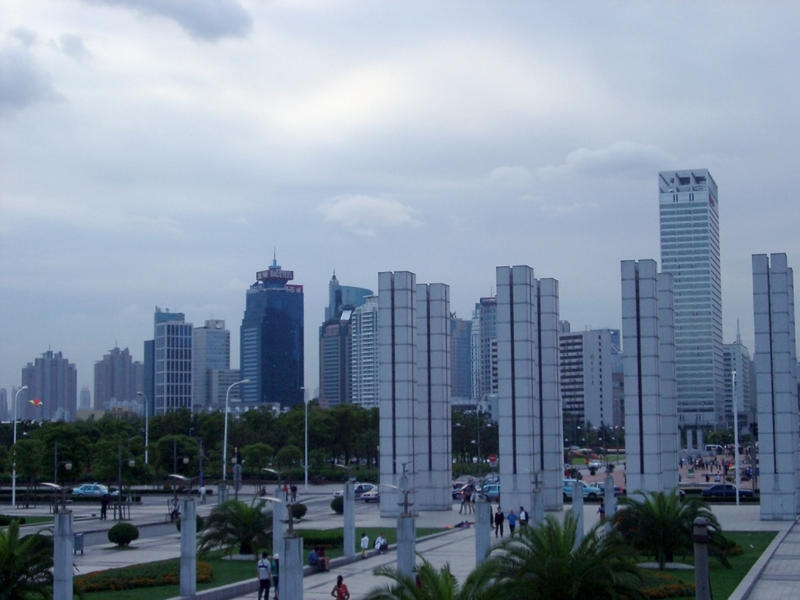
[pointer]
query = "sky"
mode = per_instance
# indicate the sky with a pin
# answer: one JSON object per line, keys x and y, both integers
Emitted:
{"x": 157, "y": 152}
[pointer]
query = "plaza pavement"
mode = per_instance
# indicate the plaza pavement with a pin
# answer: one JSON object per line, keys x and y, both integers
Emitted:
{"x": 776, "y": 576}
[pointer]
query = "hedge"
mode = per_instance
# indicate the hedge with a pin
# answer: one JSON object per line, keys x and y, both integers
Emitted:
{"x": 6, "y": 519}
{"x": 325, "y": 537}
{"x": 165, "y": 572}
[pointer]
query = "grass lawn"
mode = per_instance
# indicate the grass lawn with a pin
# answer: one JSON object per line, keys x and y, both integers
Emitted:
{"x": 724, "y": 581}
{"x": 230, "y": 571}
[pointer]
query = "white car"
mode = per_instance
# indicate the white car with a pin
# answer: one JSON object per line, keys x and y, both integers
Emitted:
{"x": 358, "y": 489}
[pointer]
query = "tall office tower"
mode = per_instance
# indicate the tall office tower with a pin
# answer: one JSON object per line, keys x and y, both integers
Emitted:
{"x": 432, "y": 432}
{"x": 85, "y": 398}
{"x": 484, "y": 352}
{"x": 148, "y": 378}
{"x": 172, "y": 362}
{"x": 271, "y": 340}
{"x": 364, "y": 382}
{"x": 397, "y": 305}
{"x": 218, "y": 382}
{"x": 5, "y": 415}
{"x": 776, "y": 383}
{"x": 52, "y": 379}
{"x": 739, "y": 388}
{"x": 211, "y": 349}
{"x": 689, "y": 218}
{"x": 115, "y": 378}
{"x": 529, "y": 404}
{"x": 586, "y": 367}
{"x": 334, "y": 342}
{"x": 461, "y": 362}
{"x": 648, "y": 341}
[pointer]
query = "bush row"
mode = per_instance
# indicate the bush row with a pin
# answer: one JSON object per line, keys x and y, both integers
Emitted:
{"x": 6, "y": 519}
{"x": 165, "y": 572}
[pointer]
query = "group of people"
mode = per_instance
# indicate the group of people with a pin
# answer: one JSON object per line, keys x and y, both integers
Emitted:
{"x": 268, "y": 575}
{"x": 499, "y": 519}
{"x": 469, "y": 498}
{"x": 319, "y": 561}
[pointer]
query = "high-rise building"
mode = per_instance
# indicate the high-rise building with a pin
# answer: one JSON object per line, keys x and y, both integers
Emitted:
{"x": 461, "y": 362}
{"x": 211, "y": 349}
{"x": 116, "y": 377}
{"x": 740, "y": 389}
{"x": 586, "y": 368}
{"x": 52, "y": 380}
{"x": 172, "y": 362}
{"x": 271, "y": 340}
{"x": 4, "y": 412}
{"x": 689, "y": 219}
{"x": 218, "y": 382}
{"x": 335, "y": 340}
{"x": 364, "y": 383}
{"x": 484, "y": 351}
{"x": 85, "y": 398}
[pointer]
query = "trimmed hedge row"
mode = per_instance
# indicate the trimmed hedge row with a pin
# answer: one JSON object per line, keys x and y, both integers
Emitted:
{"x": 327, "y": 537}
{"x": 165, "y": 572}
{"x": 6, "y": 519}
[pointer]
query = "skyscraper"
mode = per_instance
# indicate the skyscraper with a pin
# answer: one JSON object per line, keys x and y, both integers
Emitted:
{"x": 742, "y": 393}
{"x": 364, "y": 384}
{"x": 116, "y": 377}
{"x": 271, "y": 339}
{"x": 689, "y": 220}
{"x": 211, "y": 349}
{"x": 172, "y": 362}
{"x": 460, "y": 361}
{"x": 484, "y": 352}
{"x": 52, "y": 379}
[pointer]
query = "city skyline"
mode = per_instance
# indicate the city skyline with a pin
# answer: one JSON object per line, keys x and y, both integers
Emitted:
{"x": 160, "y": 157}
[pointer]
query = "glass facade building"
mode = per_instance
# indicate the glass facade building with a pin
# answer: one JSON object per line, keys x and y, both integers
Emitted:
{"x": 271, "y": 340}
{"x": 689, "y": 222}
{"x": 172, "y": 362}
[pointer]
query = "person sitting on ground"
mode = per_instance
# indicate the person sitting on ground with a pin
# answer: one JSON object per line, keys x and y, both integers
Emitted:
{"x": 381, "y": 545}
{"x": 317, "y": 562}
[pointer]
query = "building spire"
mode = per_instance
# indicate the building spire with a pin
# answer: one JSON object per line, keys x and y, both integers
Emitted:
{"x": 275, "y": 258}
{"x": 738, "y": 333}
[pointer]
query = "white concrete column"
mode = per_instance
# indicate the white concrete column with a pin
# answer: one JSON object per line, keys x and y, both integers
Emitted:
{"x": 279, "y": 515}
{"x": 291, "y": 575}
{"x": 609, "y": 500}
{"x": 188, "y": 576}
{"x": 349, "y": 533}
{"x": 63, "y": 544}
{"x": 577, "y": 511}
{"x": 483, "y": 530}
{"x": 406, "y": 544}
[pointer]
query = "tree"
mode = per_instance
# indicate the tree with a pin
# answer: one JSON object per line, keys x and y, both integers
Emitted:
{"x": 433, "y": 584}
{"x": 25, "y": 564}
{"x": 236, "y": 525}
{"x": 660, "y": 524}
{"x": 544, "y": 562}
{"x": 256, "y": 457}
{"x": 288, "y": 456}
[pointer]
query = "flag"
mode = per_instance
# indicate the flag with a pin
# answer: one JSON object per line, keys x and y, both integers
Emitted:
{"x": 36, "y": 402}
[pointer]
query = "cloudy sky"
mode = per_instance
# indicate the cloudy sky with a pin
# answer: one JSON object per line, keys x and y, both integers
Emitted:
{"x": 155, "y": 152}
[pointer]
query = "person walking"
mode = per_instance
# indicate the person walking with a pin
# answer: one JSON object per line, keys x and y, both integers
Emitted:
{"x": 523, "y": 518}
{"x": 104, "y": 506}
{"x": 463, "y": 506}
{"x": 364, "y": 544}
{"x": 264, "y": 576}
{"x": 512, "y": 521}
{"x": 340, "y": 591}
{"x": 499, "y": 519}
{"x": 275, "y": 567}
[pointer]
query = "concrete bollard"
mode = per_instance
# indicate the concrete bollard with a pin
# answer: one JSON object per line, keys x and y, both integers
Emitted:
{"x": 279, "y": 515}
{"x": 188, "y": 581}
{"x": 609, "y": 501}
{"x": 349, "y": 520}
{"x": 63, "y": 540}
{"x": 483, "y": 530}
{"x": 291, "y": 576}
{"x": 406, "y": 544}
{"x": 702, "y": 582}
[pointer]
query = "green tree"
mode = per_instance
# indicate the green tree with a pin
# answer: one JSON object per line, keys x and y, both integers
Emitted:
{"x": 288, "y": 456}
{"x": 433, "y": 584}
{"x": 25, "y": 564}
{"x": 236, "y": 525}
{"x": 660, "y": 524}
{"x": 256, "y": 457}
{"x": 544, "y": 562}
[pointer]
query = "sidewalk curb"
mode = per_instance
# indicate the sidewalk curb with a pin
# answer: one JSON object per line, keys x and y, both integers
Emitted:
{"x": 746, "y": 585}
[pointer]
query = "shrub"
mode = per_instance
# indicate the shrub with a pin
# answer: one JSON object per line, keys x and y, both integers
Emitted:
{"x": 165, "y": 572}
{"x": 328, "y": 537}
{"x": 123, "y": 534}
{"x": 6, "y": 519}
{"x": 664, "y": 585}
{"x": 199, "y": 523}
{"x": 299, "y": 511}
{"x": 337, "y": 505}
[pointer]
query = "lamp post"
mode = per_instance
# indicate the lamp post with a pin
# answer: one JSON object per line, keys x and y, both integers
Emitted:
{"x": 131, "y": 463}
{"x": 225, "y": 435}
{"x": 67, "y": 464}
{"x": 305, "y": 435}
{"x": 146, "y": 425}
{"x": 14, "y": 464}
{"x": 735, "y": 406}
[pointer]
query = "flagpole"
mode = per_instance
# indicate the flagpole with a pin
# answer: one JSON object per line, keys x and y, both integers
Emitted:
{"x": 14, "y": 463}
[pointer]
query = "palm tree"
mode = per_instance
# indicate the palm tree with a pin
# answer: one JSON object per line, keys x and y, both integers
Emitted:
{"x": 430, "y": 584}
{"x": 660, "y": 524}
{"x": 25, "y": 564}
{"x": 234, "y": 524}
{"x": 544, "y": 562}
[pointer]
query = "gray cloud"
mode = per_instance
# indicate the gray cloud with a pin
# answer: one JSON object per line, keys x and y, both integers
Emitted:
{"x": 208, "y": 20}
{"x": 73, "y": 45}
{"x": 25, "y": 36}
{"x": 365, "y": 214}
{"x": 22, "y": 81}
{"x": 624, "y": 157}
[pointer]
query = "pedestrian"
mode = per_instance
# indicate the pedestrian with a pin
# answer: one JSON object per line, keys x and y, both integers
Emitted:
{"x": 523, "y": 518}
{"x": 104, "y": 506}
{"x": 285, "y": 490}
{"x": 364, "y": 544}
{"x": 473, "y": 501}
{"x": 602, "y": 510}
{"x": 499, "y": 519}
{"x": 463, "y": 506}
{"x": 293, "y": 489}
{"x": 275, "y": 566}
{"x": 512, "y": 521}
{"x": 264, "y": 576}
{"x": 381, "y": 545}
{"x": 340, "y": 591}
{"x": 202, "y": 494}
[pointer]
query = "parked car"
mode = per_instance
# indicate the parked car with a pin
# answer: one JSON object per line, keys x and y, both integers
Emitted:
{"x": 618, "y": 491}
{"x": 491, "y": 491}
{"x": 358, "y": 489}
{"x": 93, "y": 490}
{"x": 725, "y": 490}
{"x": 589, "y": 491}
{"x": 372, "y": 495}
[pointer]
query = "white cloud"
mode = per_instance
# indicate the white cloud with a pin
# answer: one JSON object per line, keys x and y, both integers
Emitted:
{"x": 22, "y": 81}
{"x": 624, "y": 157}
{"x": 73, "y": 45}
{"x": 513, "y": 176}
{"x": 366, "y": 214}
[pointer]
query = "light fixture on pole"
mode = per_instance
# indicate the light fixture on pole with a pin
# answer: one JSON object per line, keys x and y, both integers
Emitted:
{"x": 225, "y": 433}
{"x": 14, "y": 464}
{"x": 146, "y": 426}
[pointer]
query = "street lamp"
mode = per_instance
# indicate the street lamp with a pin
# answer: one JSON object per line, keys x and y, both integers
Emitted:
{"x": 67, "y": 464}
{"x": 146, "y": 425}
{"x": 14, "y": 464}
{"x": 305, "y": 435}
{"x": 225, "y": 434}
